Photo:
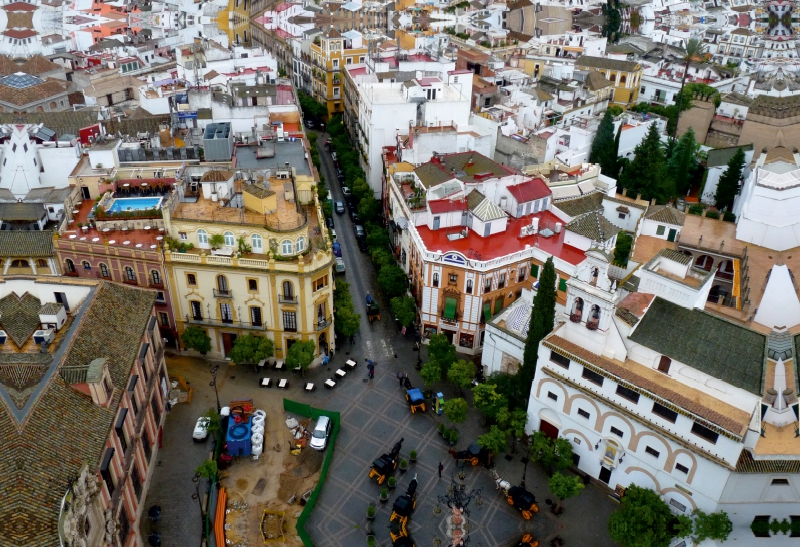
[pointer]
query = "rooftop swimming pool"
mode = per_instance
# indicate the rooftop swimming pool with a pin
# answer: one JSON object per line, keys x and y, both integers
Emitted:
{"x": 134, "y": 204}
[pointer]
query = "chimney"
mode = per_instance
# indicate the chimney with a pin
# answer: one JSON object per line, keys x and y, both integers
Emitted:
{"x": 653, "y": 201}
{"x": 92, "y": 379}
{"x": 638, "y": 197}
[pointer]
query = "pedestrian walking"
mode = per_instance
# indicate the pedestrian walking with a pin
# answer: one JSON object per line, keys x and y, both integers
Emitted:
{"x": 370, "y": 368}
{"x": 401, "y": 376}
{"x": 441, "y": 467}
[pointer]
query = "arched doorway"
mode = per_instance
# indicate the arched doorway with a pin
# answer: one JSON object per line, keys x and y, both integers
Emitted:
{"x": 704, "y": 262}
{"x": 323, "y": 344}
{"x": 577, "y": 310}
{"x": 725, "y": 270}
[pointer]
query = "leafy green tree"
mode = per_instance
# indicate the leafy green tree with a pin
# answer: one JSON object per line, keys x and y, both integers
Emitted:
{"x": 642, "y": 520}
{"x": 196, "y": 338}
{"x": 695, "y": 50}
{"x": 645, "y": 174}
{"x": 442, "y": 351}
{"x": 404, "y": 309}
{"x": 564, "y": 487}
{"x": 488, "y": 400}
{"x": 455, "y": 410}
{"x": 510, "y": 387}
{"x": 622, "y": 250}
{"x": 461, "y": 373}
{"x": 495, "y": 441}
{"x": 216, "y": 241}
{"x": 251, "y": 349}
{"x": 728, "y": 185}
{"x": 368, "y": 208}
{"x": 682, "y": 162}
{"x": 615, "y": 110}
{"x": 377, "y": 237}
{"x": 207, "y": 469}
{"x": 543, "y": 318}
{"x": 393, "y": 281}
{"x": 347, "y": 322}
{"x": 603, "y": 150}
{"x": 513, "y": 422}
{"x": 361, "y": 189}
{"x": 214, "y": 421}
{"x": 300, "y": 355}
{"x": 553, "y": 455}
{"x": 381, "y": 257}
{"x": 431, "y": 373}
{"x": 714, "y": 526}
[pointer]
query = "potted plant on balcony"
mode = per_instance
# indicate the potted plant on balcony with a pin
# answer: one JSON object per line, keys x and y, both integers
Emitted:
{"x": 216, "y": 241}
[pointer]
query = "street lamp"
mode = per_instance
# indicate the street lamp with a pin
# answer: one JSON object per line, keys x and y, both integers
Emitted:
{"x": 213, "y": 383}
{"x": 196, "y": 496}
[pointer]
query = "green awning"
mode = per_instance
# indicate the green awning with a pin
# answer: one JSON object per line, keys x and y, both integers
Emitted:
{"x": 498, "y": 305}
{"x": 450, "y": 308}
{"x": 487, "y": 311}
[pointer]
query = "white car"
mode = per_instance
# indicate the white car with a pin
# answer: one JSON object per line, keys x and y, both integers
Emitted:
{"x": 319, "y": 438}
{"x": 201, "y": 429}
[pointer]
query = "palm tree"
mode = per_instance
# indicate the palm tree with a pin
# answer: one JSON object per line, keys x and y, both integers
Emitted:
{"x": 695, "y": 48}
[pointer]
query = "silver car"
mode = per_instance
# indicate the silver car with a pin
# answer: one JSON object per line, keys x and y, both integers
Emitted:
{"x": 319, "y": 438}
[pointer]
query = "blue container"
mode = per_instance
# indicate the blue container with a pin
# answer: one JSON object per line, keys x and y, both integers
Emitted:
{"x": 239, "y": 438}
{"x": 439, "y": 403}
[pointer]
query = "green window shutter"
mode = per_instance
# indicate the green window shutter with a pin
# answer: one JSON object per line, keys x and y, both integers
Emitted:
{"x": 487, "y": 311}
{"x": 535, "y": 271}
{"x": 562, "y": 285}
{"x": 450, "y": 308}
{"x": 498, "y": 305}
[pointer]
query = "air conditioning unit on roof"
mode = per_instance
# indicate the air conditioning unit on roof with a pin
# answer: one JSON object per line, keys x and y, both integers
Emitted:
{"x": 43, "y": 336}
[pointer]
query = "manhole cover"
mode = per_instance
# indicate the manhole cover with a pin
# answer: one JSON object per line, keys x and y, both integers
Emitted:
{"x": 259, "y": 487}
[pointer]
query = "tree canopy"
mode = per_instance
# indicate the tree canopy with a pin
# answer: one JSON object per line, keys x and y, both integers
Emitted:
{"x": 461, "y": 373}
{"x": 455, "y": 410}
{"x": 495, "y": 441}
{"x": 251, "y": 349}
{"x": 404, "y": 309}
{"x": 393, "y": 281}
{"x": 300, "y": 355}
{"x": 728, "y": 185}
{"x": 196, "y": 338}
{"x": 682, "y": 163}
{"x": 347, "y": 321}
{"x": 431, "y": 373}
{"x": 604, "y": 151}
{"x": 553, "y": 455}
{"x": 543, "y": 318}
{"x": 645, "y": 175}
{"x": 642, "y": 520}
{"x": 510, "y": 387}
{"x": 564, "y": 486}
{"x": 488, "y": 401}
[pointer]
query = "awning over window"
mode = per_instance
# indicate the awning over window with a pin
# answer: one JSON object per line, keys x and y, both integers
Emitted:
{"x": 450, "y": 308}
{"x": 487, "y": 311}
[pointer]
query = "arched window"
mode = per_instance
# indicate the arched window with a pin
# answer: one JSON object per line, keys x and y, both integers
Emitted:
{"x": 22, "y": 264}
{"x": 130, "y": 275}
{"x": 435, "y": 279}
{"x": 86, "y": 265}
{"x": 287, "y": 247}
{"x": 41, "y": 263}
{"x": 577, "y": 311}
{"x": 300, "y": 246}
{"x": 156, "y": 277}
{"x": 288, "y": 290}
{"x": 256, "y": 243}
{"x": 230, "y": 241}
{"x": 469, "y": 286}
{"x": 70, "y": 266}
{"x": 104, "y": 270}
{"x": 202, "y": 237}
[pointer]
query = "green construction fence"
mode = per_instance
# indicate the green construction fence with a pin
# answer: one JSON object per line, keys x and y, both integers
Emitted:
{"x": 310, "y": 412}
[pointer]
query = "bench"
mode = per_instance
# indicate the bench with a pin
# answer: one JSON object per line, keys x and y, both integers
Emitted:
{"x": 283, "y": 383}
{"x": 340, "y": 373}
{"x": 310, "y": 387}
{"x": 351, "y": 364}
{"x": 329, "y": 384}
{"x": 266, "y": 382}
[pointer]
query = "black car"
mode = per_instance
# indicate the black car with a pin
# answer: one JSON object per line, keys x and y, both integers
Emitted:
{"x": 362, "y": 244}
{"x": 329, "y": 222}
{"x": 310, "y": 123}
{"x": 358, "y": 229}
{"x": 340, "y": 175}
{"x": 354, "y": 215}
{"x": 338, "y": 206}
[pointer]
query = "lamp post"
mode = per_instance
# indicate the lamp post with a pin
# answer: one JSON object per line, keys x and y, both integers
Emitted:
{"x": 196, "y": 496}
{"x": 213, "y": 383}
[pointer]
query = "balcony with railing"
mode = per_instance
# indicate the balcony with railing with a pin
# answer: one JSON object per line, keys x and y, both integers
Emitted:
{"x": 200, "y": 320}
{"x": 323, "y": 323}
{"x": 223, "y": 293}
{"x": 287, "y": 298}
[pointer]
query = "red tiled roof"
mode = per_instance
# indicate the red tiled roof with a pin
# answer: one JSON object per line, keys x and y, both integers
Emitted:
{"x": 447, "y": 206}
{"x": 357, "y": 71}
{"x": 20, "y": 34}
{"x": 504, "y": 243}
{"x": 530, "y": 190}
{"x": 19, "y": 6}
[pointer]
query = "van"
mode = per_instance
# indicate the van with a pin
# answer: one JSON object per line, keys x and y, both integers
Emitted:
{"x": 319, "y": 438}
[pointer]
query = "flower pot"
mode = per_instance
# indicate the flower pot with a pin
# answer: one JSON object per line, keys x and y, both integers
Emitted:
{"x": 383, "y": 499}
{"x": 181, "y": 250}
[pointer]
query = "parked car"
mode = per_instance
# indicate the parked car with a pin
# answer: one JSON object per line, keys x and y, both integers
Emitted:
{"x": 358, "y": 229}
{"x": 339, "y": 264}
{"x": 362, "y": 244}
{"x": 354, "y": 216}
{"x": 310, "y": 123}
{"x": 319, "y": 438}
{"x": 338, "y": 206}
{"x": 333, "y": 156}
{"x": 328, "y": 144}
{"x": 329, "y": 222}
{"x": 333, "y": 234}
{"x": 201, "y": 429}
{"x": 346, "y": 191}
{"x": 337, "y": 249}
{"x": 340, "y": 174}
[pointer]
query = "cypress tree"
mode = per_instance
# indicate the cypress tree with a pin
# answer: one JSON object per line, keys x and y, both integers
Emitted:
{"x": 543, "y": 317}
{"x": 645, "y": 174}
{"x": 728, "y": 185}
{"x": 682, "y": 162}
{"x": 603, "y": 150}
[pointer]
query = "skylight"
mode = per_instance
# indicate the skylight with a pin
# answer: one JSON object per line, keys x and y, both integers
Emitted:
{"x": 20, "y": 80}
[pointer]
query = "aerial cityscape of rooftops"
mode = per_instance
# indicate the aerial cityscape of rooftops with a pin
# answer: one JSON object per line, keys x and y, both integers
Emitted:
{"x": 259, "y": 259}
